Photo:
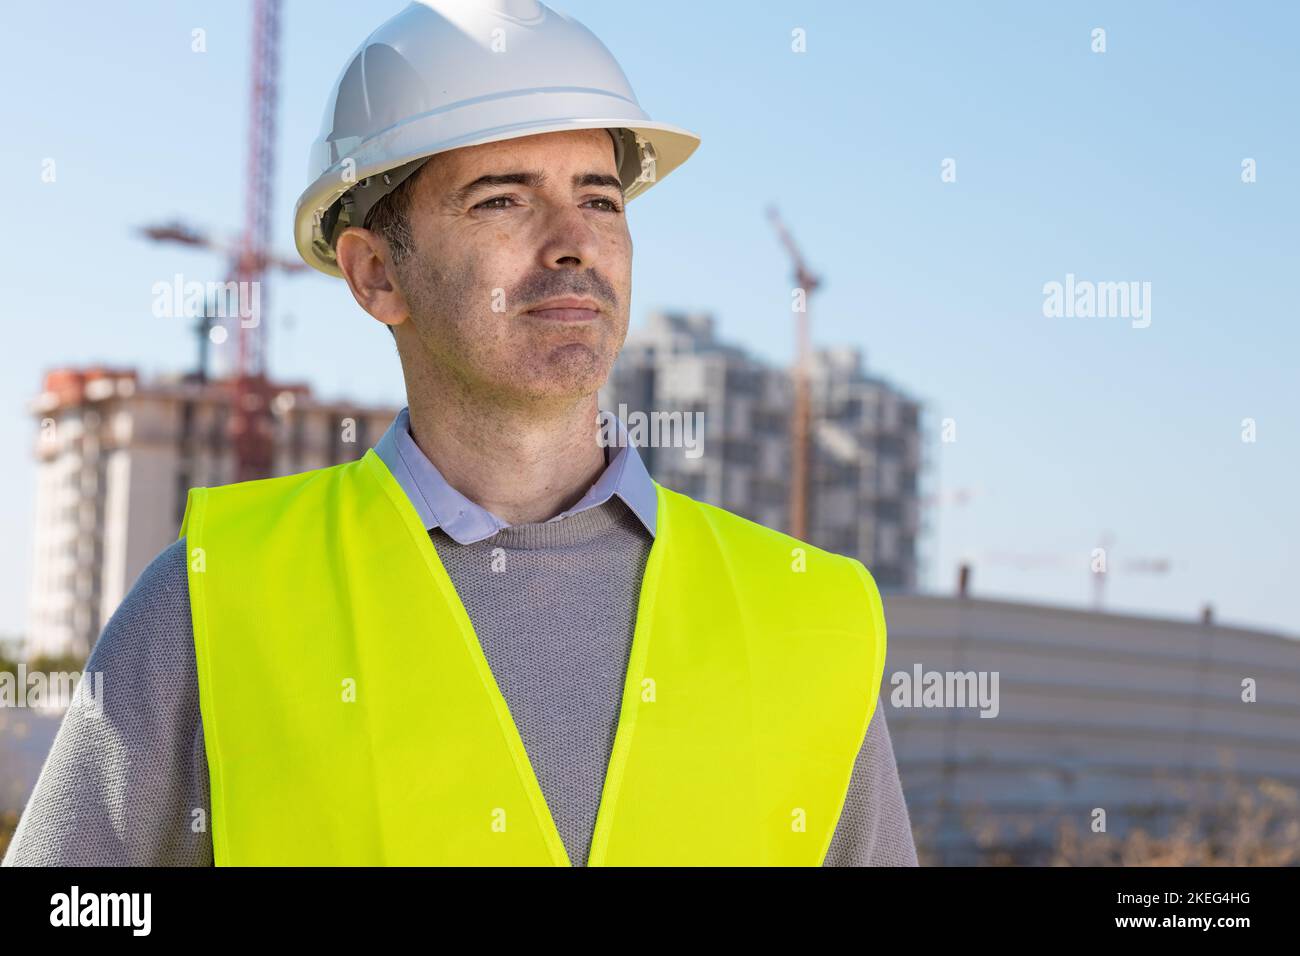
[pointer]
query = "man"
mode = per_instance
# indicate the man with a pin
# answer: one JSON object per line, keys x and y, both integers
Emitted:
{"x": 492, "y": 640}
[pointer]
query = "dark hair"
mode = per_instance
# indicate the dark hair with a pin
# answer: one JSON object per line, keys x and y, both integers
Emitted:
{"x": 390, "y": 217}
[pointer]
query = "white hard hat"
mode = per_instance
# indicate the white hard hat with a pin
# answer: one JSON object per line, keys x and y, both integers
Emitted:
{"x": 444, "y": 74}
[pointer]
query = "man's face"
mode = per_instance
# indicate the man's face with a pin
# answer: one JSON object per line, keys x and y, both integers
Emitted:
{"x": 498, "y": 230}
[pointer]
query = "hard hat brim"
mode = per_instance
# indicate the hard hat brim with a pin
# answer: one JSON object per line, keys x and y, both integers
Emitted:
{"x": 411, "y": 140}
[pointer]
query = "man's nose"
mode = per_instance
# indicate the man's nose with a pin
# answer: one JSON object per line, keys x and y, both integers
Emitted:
{"x": 568, "y": 239}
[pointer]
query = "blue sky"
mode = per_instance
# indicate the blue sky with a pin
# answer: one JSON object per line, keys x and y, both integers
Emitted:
{"x": 1120, "y": 166}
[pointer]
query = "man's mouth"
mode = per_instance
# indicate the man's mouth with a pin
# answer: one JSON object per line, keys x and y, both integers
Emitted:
{"x": 566, "y": 309}
{"x": 565, "y": 315}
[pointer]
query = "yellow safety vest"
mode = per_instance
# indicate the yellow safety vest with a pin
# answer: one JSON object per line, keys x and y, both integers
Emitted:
{"x": 351, "y": 718}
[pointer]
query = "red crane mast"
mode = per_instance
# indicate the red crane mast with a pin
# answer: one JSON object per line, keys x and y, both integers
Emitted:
{"x": 251, "y": 424}
{"x": 801, "y": 424}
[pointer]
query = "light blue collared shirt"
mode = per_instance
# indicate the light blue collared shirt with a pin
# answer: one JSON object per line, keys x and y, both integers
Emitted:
{"x": 439, "y": 505}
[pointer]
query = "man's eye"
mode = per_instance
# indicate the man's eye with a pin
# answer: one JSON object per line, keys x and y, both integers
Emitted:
{"x": 485, "y": 203}
{"x": 611, "y": 205}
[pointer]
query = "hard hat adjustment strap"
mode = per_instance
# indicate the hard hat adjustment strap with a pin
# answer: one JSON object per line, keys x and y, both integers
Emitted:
{"x": 620, "y": 147}
{"x": 353, "y": 208}
{"x": 647, "y": 149}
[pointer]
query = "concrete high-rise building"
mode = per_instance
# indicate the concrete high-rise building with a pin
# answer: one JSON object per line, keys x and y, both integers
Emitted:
{"x": 864, "y": 498}
{"x": 115, "y": 458}
{"x": 675, "y": 365}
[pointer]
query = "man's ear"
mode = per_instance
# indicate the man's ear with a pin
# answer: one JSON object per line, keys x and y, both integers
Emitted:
{"x": 367, "y": 265}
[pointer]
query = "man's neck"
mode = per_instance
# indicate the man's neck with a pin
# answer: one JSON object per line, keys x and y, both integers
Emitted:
{"x": 523, "y": 465}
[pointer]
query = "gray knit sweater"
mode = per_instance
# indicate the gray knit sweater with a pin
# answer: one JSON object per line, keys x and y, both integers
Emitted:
{"x": 122, "y": 789}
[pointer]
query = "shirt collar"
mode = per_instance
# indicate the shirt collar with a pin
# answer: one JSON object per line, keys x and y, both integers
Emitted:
{"x": 439, "y": 505}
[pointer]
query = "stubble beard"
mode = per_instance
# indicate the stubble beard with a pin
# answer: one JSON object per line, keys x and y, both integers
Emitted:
{"x": 518, "y": 361}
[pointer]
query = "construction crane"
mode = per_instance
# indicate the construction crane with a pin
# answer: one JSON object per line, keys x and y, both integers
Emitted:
{"x": 183, "y": 234}
{"x": 1075, "y": 560}
{"x": 801, "y": 423}
{"x": 1143, "y": 565}
{"x": 251, "y": 425}
{"x": 956, "y": 497}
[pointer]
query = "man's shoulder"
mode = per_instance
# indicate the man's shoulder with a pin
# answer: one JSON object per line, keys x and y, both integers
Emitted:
{"x": 149, "y": 636}
{"x": 745, "y": 532}
{"x": 260, "y": 503}
{"x": 768, "y": 560}
{"x": 279, "y": 485}
{"x": 163, "y": 582}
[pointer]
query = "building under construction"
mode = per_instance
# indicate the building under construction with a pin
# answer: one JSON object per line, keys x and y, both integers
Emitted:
{"x": 865, "y": 454}
{"x": 115, "y": 459}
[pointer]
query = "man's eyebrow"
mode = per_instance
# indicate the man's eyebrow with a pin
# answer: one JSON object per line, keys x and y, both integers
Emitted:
{"x": 533, "y": 179}
{"x": 598, "y": 179}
